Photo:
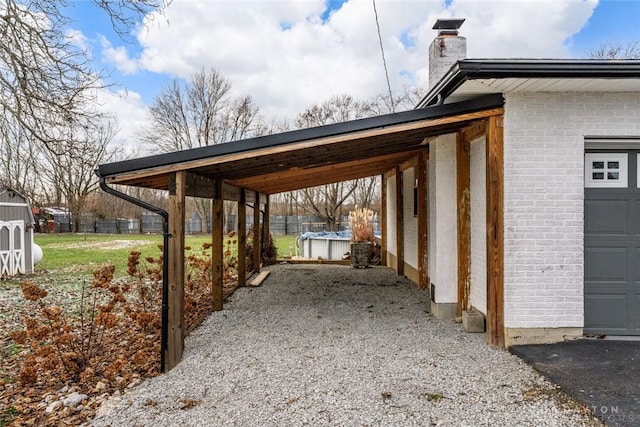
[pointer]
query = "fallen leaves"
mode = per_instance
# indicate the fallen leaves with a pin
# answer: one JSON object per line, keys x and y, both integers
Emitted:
{"x": 187, "y": 403}
{"x": 68, "y": 358}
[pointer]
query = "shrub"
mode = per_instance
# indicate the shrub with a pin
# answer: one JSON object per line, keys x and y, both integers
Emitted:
{"x": 361, "y": 225}
{"x": 269, "y": 254}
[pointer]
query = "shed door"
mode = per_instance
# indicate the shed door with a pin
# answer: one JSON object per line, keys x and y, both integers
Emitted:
{"x": 12, "y": 251}
{"x": 612, "y": 243}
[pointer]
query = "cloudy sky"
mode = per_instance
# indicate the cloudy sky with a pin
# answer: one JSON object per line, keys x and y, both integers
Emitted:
{"x": 291, "y": 54}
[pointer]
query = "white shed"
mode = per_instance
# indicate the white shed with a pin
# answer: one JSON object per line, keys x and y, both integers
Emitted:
{"x": 16, "y": 234}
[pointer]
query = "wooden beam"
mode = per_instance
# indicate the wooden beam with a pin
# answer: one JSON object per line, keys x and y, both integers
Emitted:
{"x": 202, "y": 186}
{"x": 230, "y": 192}
{"x": 325, "y": 174}
{"x": 383, "y": 219}
{"x": 175, "y": 326}
{"x": 242, "y": 238}
{"x": 399, "y": 222}
{"x": 463, "y": 182}
{"x": 250, "y": 196}
{"x": 265, "y": 227}
{"x": 388, "y": 174}
{"x": 495, "y": 231}
{"x": 410, "y": 163}
{"x": 256, "y": 235}
{"x": 326, "y": 142}
{"x": 217, "y": 247}
{"x": 475, "y": 130}
{"x": 423, "y": 214}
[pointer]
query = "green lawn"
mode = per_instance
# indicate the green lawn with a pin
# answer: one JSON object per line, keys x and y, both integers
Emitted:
{"x": 80, "y": 253}
{"x": 284, "y": 245}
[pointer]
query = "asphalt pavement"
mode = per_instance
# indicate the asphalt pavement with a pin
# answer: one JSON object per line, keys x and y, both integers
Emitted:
{"x": 603, "y": 374}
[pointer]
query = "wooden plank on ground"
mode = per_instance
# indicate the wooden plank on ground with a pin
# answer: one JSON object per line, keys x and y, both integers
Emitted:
{"x": 257, "y": 281}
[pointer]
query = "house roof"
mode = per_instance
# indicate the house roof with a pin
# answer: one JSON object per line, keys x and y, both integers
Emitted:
{"x": 470, "y": 78}
{"x": 309, "y": 157}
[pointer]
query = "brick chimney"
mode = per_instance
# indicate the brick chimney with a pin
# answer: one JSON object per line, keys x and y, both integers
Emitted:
{"x": 446, "y": 49}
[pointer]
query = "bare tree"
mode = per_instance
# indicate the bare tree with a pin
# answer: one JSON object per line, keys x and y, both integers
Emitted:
{"x": 48, "y": 92}
{"x": 18, "y": 161}
{"x": 365, "y": 194}
{"x": 45, "y": 78}
{"x": 326, "y": 201}
{"x": 200, "y": 113}
{"x": 617, "y": 51}
{"x": 337, "y": 109}
{"x": 406, "y": 100}
{"x": 46, "y": 81}
{"x": 72, "y": 176}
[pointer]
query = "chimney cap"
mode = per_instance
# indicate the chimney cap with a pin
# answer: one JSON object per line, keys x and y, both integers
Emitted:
{"x": 448, "y": 27}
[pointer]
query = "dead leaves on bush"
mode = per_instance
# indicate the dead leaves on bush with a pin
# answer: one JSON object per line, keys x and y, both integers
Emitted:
{"x": 110, "y": 337}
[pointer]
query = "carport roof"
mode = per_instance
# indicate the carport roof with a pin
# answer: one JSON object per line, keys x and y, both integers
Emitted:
{"x": 309, "y": 157}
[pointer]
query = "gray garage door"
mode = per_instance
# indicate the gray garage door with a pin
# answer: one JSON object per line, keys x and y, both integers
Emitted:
{"x": 612, "y": 243}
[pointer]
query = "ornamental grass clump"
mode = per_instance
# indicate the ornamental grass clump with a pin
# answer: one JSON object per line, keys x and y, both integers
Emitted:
{"x": 361, "y": 225}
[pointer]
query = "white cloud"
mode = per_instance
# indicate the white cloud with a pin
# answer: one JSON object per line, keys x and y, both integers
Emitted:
{"x": 287, "y": 58}
{"x": 118, "y": 56}
{"x": 78, "y": 39}
{"x": 129, "y": 110}
{"x": 522, "y": 29}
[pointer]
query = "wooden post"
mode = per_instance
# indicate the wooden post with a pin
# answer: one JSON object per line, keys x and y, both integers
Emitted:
{"x": 423, "y": 225}
{"x": 383, "y": 220}
{"x": 495, "y": 231}
{"x": 399, "y": 222}
{"x": 242, "y": 238}
{"x": 217, "y": 247}
{"x": 256, "y": 233}
{"x": 265, "y": 227}
{"x": 175, "y": 326}
{"x": 463, "y": 180}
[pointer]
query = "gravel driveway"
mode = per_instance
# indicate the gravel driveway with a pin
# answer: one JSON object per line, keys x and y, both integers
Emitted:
{"x": 333, "y": 345}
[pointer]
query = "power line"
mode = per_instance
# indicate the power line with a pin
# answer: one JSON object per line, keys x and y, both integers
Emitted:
{"x": 384, "y": 61}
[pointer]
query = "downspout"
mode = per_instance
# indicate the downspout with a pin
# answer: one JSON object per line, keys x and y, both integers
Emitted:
{"x": 165, "y": 258}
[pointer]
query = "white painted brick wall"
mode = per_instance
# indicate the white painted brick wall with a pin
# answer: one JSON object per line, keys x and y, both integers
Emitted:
{"x": 410, "y": 221}
{"x": 443, "y": 247}
{"x": 479, "y": 225}
{"x": 544, "y": 198}
{"x": 391, "y": 215}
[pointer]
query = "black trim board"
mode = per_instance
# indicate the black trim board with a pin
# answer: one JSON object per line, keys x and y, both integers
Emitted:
{"x": 378, "y": 122}
{"x": 471, "y": 69}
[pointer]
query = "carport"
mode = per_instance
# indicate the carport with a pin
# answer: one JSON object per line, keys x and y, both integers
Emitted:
{"x": 250, "y": 170}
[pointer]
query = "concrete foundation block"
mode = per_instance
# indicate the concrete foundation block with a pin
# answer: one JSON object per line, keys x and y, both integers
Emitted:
{"x": 473, "y": 321}
{"x": 443, "y": 310}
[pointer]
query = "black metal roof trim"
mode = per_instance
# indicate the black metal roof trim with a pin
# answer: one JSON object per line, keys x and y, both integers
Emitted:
{"x": 469, "y": 69}
{"x": 267, "y": 141}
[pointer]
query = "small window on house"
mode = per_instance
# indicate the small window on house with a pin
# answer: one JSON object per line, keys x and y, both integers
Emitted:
{"x": 605, "y": 170}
